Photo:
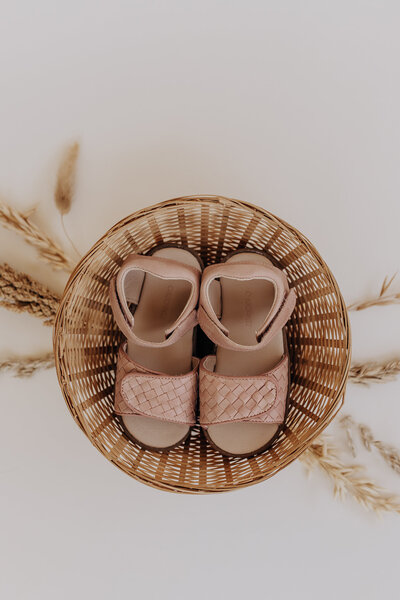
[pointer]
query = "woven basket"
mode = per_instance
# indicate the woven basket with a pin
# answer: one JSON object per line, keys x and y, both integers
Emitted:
{"x": 86, "y": 341}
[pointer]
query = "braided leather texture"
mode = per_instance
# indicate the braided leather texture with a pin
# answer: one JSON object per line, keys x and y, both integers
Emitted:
{"x": 140, "y": 391}
{"x": 257, "y": 399}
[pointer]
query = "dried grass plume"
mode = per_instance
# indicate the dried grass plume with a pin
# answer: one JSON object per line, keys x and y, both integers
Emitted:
{"x": 65, "y": 185}
{"x": 390, "y": 454}
{"x": 385, "y": 297}
{"x": 48, "y": 249}
{"x": 27, "y": 365}
{"x": 375, "y": 372}
{"x": 349, "y": 479}
{"x": 21, "y": 293}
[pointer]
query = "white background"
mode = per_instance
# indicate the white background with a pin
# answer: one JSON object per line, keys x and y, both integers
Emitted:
{"x": 293, "y": 106}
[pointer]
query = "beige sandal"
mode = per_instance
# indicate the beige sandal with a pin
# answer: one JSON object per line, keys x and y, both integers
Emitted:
{"x": 154, "y": 301}
{"x": 245, "y": 303}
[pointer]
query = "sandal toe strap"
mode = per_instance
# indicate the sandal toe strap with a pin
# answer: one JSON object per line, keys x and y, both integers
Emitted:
{"x": 140, "y": 391}
{"x": 257, "y": 399}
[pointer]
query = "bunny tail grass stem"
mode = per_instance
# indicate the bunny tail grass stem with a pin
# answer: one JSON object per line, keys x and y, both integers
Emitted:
{"x": 69, "y": 237}
{"x": 65, "y": 187}
{"x": 64, "y": 190}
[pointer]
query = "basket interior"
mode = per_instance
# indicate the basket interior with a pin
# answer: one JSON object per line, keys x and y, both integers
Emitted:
{"x": 86, "y": 341}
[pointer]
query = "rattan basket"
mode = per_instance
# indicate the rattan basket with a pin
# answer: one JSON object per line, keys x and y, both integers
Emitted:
{"x": 86, "y": 340}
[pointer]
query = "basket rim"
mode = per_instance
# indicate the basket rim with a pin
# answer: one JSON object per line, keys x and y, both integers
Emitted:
{"x": 224, "y": 201}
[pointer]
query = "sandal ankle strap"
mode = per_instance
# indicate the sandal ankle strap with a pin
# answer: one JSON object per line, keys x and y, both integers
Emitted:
{"x": 138, "y": 266}
{"x": 210, "y": 301}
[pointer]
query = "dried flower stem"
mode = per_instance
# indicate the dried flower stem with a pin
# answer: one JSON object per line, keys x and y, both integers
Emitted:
{"x": 21, "y": 293}
{"x": 64, "y": 191}
{"x": 27, "y": 365}
{"x": 347, "y": 426}
{"x": 383, "y": 299}
{"x": 389, "y": 453}
{"x": 47, "y": 248}
{"x": 65, "y": 186}
{"x": 349, "y": 478}
{"x": 375, "y": 372}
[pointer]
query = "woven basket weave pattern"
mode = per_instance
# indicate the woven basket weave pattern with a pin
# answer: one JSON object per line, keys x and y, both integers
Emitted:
{"x": 86, "y": 341}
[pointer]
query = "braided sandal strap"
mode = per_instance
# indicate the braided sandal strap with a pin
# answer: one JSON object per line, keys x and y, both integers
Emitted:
{"x": 140, "y": 391}
{"x": 256, "y": 399}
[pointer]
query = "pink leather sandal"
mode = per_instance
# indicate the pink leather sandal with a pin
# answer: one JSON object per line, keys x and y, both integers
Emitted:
{"x": 154, "y": 301}
{"x": 245, "y": 303}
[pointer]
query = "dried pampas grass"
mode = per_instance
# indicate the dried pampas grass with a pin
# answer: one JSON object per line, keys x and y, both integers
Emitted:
{"x": 385, "y": 297}
{"x": 66, "y": 180}
{"x": 349, "y": 479}
{"x": 27, "y": 365}
{"x": 389, "y": 453}
{"x": 47, "y": 248}
{"x": 21, "y": 293}
{"x": 347, "y": 426}
{"x": 375, "y": 372}
{"x": 65, "y": 186}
